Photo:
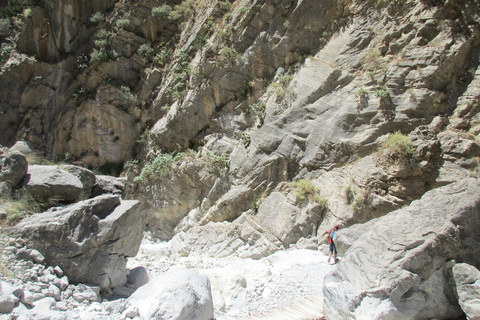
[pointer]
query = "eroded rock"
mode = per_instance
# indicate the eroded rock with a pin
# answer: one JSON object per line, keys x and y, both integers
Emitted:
{"x": 89, "y": 240}
{"x": 397, "y": 267}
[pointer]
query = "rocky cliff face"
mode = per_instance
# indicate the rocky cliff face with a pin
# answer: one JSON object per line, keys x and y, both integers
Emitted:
{"x": 212, "y": 108}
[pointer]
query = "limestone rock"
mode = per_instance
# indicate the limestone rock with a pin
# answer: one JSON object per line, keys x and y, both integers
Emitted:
{"x": 245, "y": 238}
{"x": 49, "y": 184}
{"x": 13, "y": 167}
{"x": 467, "y": 279}
{"x": 89, "y": 240}
{"x": 285, "y": 220}
{"x": 397, "y": 267}
{"x": 175, "y": 295}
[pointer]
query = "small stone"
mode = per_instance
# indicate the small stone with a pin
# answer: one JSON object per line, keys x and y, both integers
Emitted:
{"x": 23, "y": 254}
{"x": 131, "y": 312}
{"x": 27, "y": 298}
{"x": 58, "y": 271}
{"x": 116, "y": 306}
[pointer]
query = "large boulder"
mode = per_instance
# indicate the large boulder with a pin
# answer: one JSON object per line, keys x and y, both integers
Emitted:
{"x": 467, "y": 280}
{"x": 86, "y": 176}
{"x": 13, "y": 167}
{"x": 50, "y": 185}
{"x": 89, "y": 240}
{"x": 109, "y": 185}
{"x": 399, "y": 267}
{"x": 176, "y": 295}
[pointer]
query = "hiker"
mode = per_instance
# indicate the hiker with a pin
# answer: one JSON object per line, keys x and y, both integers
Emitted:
{"x": 333, "y": 249}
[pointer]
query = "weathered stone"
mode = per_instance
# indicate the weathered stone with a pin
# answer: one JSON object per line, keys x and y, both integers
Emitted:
{"x": 400, "y": 258}
{"x": 86, "y": 176}
{"x": 50, "y": 185}
{"x": 13, "y": 167}
{"x": 467, "y": 280}
{"x": 89, "y": 240}
{"x": 108, "y": 185}
{"x": 189, "y": 289}
{"x": 285, "y": 220}
{"x": 245, "y": 238}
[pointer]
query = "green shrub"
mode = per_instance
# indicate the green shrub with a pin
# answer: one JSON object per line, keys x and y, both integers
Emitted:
{"x": 362, "y": 99}
{"x": 97, "y": 18}
{"x": 104, "y": 51}
{"x": 27, "y": 12}
{"x": 127, "y": 94}
{"x": 102, "y": 55}
{"x": 122, "y": 23}
{"x": 304, "y": 189}
{"x": 161, "y": 166}
{"x": 398, "y": 146}
{"x": 228, "y": 54}
{"x": 146, "y": 50}
{"x": 162, "y": 12}
{"x": 185, "y": 10}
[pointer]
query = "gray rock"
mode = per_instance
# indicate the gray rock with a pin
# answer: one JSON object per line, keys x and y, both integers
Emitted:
{"x": 36, "y": 256}
{"x": 244, "y": 237}
{"x": 89, "y": 240}
{"x": 138, "y": 277}
{"x": 467, "y": 279}
{"x": 285, "y": 220}
{"x": 50, "y": 185}
{"x": 23, "y": 254}
{"x": 7, "y": 302}
{"x": 13, "y": 167}
{"x": 22, "y": 147}
{"x": 396, "y": 268}
{"x": 108, "y": 185}
{"x": 86, "y": 176}
{"x": 176, "y": 294}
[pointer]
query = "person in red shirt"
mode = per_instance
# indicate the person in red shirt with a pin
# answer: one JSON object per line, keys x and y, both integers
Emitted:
{"x": 333, "y": 249}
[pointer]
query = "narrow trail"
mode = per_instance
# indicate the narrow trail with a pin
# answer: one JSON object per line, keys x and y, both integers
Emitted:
{"x": 309, "y": 308}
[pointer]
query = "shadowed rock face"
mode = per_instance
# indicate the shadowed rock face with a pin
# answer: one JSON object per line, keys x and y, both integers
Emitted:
{"x": 89, "y": 240}
{"x": 399, "y": 267}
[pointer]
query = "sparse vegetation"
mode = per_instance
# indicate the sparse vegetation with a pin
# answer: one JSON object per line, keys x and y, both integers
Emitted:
{"x": 398, "y": 147}
{"x": 123, "y": 23}
{"x": 218, "y": 163}
{"x": 146, "y": 50}
{"x": 104, "y": 51}
{"x": 305, "y": 189}
{"x": 258, "y": 109}
{"x": 228, "y": 54}
{"x": 127, "y": 94}
{"x": 280, "y": 86}
{"x": 162, "y": 12}
{"x": 362, "y": 99}
{"x": 97, "y": 18}
{"x": 18, "y": 206}
{"x": 160, "y": 166}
